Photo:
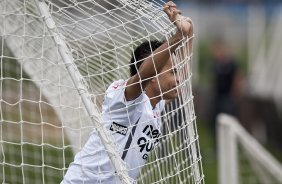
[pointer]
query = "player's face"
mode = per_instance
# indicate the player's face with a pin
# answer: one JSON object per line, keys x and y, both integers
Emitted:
{"x": 169, "y": 81}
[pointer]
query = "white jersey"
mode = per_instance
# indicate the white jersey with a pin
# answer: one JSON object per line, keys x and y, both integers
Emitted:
{"x": 135, "y": 127}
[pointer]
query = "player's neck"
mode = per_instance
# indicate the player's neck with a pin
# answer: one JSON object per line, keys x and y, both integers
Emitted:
{"x": 154, "y": 101}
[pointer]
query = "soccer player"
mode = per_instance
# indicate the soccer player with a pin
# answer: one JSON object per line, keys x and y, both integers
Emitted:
{"x": 131, "y": 109}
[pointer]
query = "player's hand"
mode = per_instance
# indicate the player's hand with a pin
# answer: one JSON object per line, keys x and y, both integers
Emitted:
{"x": 183, "y": 24}
{"x": 171, "y": 10}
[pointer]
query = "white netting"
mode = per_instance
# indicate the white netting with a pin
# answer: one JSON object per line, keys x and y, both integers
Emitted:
{"x": 43, "y": 121}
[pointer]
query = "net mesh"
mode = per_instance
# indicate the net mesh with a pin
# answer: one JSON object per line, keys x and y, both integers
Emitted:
{"x": 43, "y": 120}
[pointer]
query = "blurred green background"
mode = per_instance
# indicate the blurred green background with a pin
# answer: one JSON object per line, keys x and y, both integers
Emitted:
{"x": 245, "y": 34}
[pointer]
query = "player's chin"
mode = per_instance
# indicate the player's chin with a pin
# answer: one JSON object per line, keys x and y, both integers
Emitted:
{"x": 172, "y": 94}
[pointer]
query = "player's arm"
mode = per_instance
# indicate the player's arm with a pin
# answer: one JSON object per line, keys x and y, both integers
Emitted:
{"x": 186, "y": 50}
{"x": 157, "y": 60}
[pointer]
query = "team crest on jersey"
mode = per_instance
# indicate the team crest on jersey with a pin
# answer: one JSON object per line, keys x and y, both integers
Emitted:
{"x": 118, "y": 128}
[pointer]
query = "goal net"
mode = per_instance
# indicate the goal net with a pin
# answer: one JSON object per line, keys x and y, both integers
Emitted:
{"x": 58, "y": 58}
{"x": 241, "y": 158}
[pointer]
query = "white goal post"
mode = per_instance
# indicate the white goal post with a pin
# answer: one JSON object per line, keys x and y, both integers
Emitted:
{"x": 82, "y": 89}
{"x": 231, "y": 136}
{"x": 57, "y": 58}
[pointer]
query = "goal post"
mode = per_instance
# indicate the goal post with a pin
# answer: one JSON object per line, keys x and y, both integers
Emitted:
{"x": 82, "y": 89}
{"x": 57, "y": 59}
{"x": 236, "y": 147}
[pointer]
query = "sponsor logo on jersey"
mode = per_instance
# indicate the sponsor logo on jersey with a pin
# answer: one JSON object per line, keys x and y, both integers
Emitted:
{"x": 148, "y": 142}
{"x": 118, "y": 128}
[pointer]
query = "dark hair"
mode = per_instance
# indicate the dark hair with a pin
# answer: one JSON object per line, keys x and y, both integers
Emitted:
{"x": 141, "y": 52}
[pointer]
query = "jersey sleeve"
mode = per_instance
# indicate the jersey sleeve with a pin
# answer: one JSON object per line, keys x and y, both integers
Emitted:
{"x": 116, "y": 93}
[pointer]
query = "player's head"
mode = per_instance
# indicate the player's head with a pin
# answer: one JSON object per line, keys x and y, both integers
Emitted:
{"x": 141, "y": 52}
{"x": 166, "y": 81}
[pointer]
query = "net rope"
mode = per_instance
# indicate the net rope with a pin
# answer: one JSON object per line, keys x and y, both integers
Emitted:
{"x": 42, "y": 115}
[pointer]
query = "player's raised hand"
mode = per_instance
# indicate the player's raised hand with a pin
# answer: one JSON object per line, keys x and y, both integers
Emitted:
{"x": 183, "y": 24}
{"x": 171, "y": 10}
